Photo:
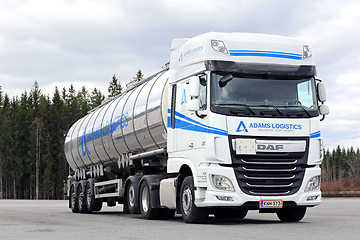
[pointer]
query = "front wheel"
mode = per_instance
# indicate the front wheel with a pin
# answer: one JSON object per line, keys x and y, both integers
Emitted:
{"x": 190, "y": 212}
{"x": 291, "y": 214}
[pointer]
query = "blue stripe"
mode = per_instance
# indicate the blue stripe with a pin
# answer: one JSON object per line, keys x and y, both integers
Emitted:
{"x": 315, "y": 134}
{"x": 253, "y": 53}
{"x": 198, "y": 123}
{"x": 193, "y": 125}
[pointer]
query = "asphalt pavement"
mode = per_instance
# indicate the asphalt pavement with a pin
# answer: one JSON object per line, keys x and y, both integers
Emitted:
{"x": 335, "y": 218}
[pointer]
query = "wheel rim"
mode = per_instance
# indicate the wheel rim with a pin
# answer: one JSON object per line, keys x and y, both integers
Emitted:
{"x": 145, "y": 199}
{"x": 88, "y": 196}
{"x": 73, "y": 198}
{"x": 80, "y": 197}
{"x": 131, "y": 195}
{"x": 187, "y": 200}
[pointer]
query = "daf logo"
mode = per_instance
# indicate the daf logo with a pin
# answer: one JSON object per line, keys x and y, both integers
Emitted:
{"x": 271, "y": 147}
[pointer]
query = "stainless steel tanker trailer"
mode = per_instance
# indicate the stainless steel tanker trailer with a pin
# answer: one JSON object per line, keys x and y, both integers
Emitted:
{"x": 231, "y": 125}
{"x": 116, "y": 140}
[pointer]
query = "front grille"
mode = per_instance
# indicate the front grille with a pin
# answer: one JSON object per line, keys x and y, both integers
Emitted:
{"x": 272, "y": 174}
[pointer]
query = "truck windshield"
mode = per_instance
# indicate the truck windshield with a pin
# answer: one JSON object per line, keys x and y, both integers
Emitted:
{"x": 263, "y": 96}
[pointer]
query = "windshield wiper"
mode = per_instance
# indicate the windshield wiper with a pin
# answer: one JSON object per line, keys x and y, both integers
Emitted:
{"x": 237, "y": 111}
{"x": 297, "y": 113}
{"x": 273, "y": 106}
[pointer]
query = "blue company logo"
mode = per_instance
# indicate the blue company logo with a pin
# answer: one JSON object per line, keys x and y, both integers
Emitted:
{"x": 183, "y": 97}
{"x": 190, "y": 52}
{"x": 117, "y": 123}
{"x": 242, "y": 127}
{"x": 84, "y": 148}
{"x": 181, "y": 57}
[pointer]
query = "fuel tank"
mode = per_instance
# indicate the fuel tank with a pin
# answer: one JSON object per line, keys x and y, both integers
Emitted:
{"x": 132, "y": 123}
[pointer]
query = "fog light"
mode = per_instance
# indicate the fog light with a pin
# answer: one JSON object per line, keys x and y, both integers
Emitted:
{"x": 313, "y": 184}
{"x": 312, "y": 198}
{"x": 221, "y": 182}
{"x": 224, "y": 198}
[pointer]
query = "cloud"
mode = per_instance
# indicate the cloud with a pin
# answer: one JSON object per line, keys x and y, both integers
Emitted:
{"x": 85, "y": 42}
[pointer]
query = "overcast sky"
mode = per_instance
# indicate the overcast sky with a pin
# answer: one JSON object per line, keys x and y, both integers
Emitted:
{"x": 85, "y": 42}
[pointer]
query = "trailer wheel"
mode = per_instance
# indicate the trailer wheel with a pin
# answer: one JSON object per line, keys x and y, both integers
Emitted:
{"x": 147, "y": 212}
{"x": 92, "y": 204}
{"x": 130, "y": 198}
{"x": 190, "y": 212}
{"x": 291, "y": 214}
{"x": 82, "y": 198}
{"x": 74, "y": 203}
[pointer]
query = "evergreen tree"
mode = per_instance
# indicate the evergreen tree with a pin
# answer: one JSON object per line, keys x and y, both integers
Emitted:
{"x": 115, "y": 87}
{"x": 1, "y": 130}
{"x": 83, "y": 99}
{"x": 72, "y": 112}
{"x": 139, "y": 76}
{"x": 96, "y": 98}
{"x": 1, "y": 97}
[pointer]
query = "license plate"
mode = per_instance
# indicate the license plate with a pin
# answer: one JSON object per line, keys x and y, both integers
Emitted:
{"x": 271, "y": 203}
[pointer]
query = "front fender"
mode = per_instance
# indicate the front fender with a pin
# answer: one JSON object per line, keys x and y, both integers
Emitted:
{"x": 199, "y": 174}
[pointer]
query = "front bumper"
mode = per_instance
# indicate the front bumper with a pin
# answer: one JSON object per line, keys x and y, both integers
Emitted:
{"x": 211, "y": 197}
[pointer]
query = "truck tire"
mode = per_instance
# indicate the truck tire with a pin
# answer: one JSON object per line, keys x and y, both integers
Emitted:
{"x": 131, "y": 198}
{"x": 190, "y": 212}
{"x": 92, "y": 204}
{"x": 74, "y": 203}
{"x": 291, "y": 214}
{"x": 230, "y": 213}
{"x": 146, "y": 210}
{"x": 82, "y": 198}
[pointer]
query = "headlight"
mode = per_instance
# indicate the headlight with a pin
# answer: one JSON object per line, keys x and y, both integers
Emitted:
{"x": 313, "y": 184}
{"x": 218, "y": 46}
{"x": 221, "y": 182}
{"x": 306, "y": 51}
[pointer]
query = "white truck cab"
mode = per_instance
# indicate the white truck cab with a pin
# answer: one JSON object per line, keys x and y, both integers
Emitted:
{"x": 244, "y": 117}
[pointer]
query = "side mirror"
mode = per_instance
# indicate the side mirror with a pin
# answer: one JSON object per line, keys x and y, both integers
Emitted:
{"x": 225, "y": 79}
{"x": 194, "y": 87}
{"x": 321, "y": 92}
{"x": 193, "y": 104}
{"x": 324, "y": 109}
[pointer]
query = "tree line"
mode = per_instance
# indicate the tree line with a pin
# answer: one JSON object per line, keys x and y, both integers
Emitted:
{"x": 32, "y": 134}
{"x": 341, "y": 163}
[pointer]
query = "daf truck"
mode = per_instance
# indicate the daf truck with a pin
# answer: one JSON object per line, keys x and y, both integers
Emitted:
{"x": 231, "y": 124}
